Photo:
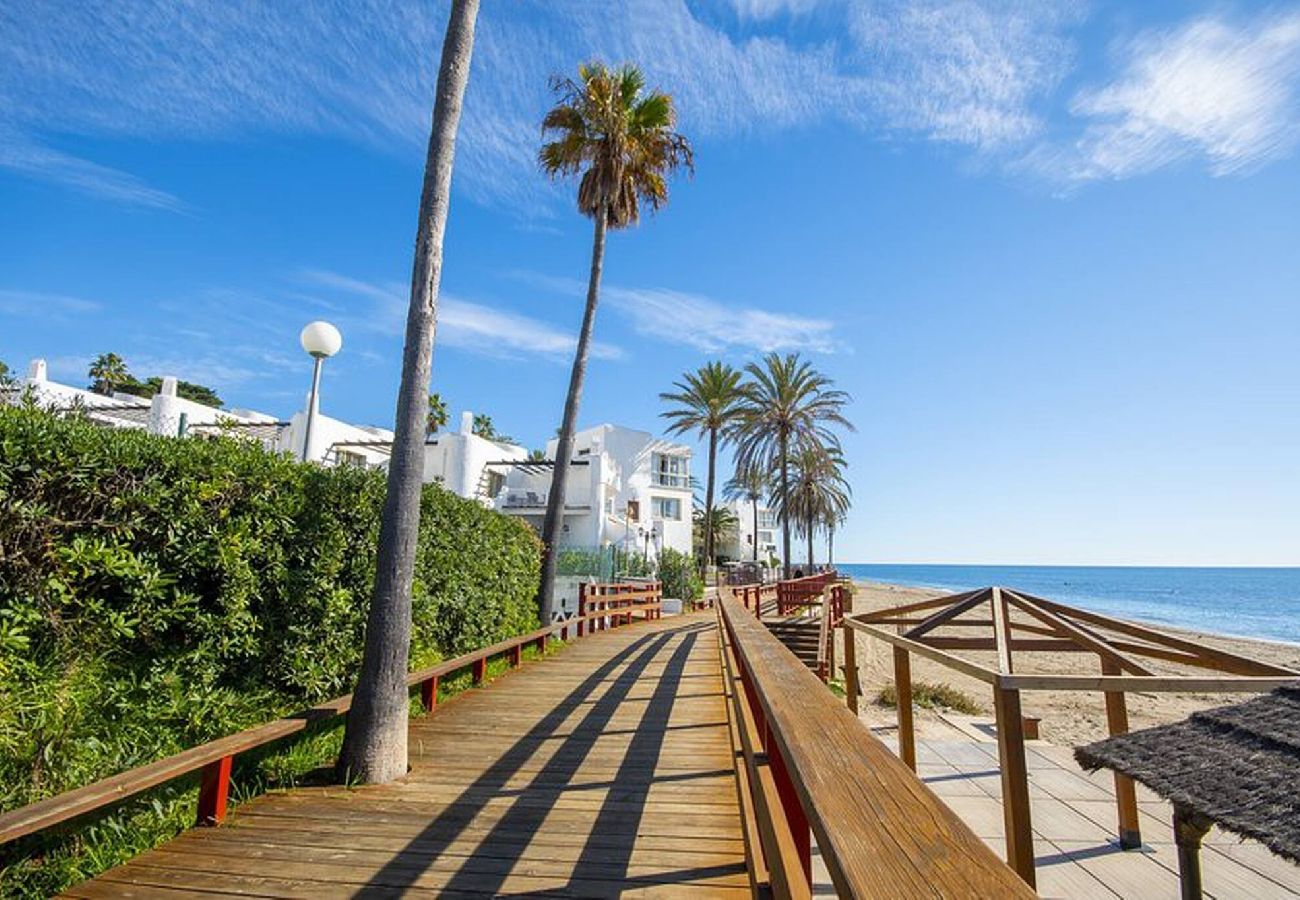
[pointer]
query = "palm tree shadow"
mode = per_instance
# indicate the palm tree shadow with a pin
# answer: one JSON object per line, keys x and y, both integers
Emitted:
{"x": 486, "y": 869}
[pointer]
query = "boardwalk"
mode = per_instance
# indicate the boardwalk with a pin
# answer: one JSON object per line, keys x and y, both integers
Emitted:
{"x": 605, "y": 769}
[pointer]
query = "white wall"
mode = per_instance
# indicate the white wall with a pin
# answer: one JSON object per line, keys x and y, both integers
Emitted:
{"x": 456, "y": 460}
{"x": 741, "y": 546}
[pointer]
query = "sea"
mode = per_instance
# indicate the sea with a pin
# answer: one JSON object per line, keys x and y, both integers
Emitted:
{"x": 1247, "y": 602}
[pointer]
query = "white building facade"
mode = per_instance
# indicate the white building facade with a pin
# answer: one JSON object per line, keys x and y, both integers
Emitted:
{"x": 626, "y": 489}
{"x": 739, "y": 544}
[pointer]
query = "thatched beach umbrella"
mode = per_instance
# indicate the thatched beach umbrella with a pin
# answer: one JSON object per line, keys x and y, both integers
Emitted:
{"x": 1235, "y": 766}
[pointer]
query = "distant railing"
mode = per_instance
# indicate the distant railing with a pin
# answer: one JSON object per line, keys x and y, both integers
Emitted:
{"x": 806, "y": 766}
{"x": 214, "y": 759}
{"x": 793, "y": 593}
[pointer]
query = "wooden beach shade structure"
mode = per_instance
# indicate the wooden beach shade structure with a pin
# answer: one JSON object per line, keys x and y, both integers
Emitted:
{"x": 1236, "y": 766}
{"x": 1001, "y": 621}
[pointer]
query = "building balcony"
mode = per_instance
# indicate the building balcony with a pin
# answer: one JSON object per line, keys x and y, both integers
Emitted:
{"x": 669, "y": 480}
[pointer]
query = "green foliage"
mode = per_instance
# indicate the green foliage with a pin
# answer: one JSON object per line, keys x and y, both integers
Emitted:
{"x": 187, "y": 390}
{"x": 484, "y": 428}
{"x": 437, "y": 415}
{"x": 109, "y": 373}
{"x": 603, "y": 564}
{"x": 680, "y": 575}
{"x": 933, "y": 695}
{"x": 156, "y": 593}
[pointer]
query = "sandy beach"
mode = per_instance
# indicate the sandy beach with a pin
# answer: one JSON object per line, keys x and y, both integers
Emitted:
{"x": 1066, "y": 718}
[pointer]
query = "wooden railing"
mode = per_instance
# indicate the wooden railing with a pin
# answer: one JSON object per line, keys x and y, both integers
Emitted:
{"x": 753, "y": 596}
{"x": 214, "y": 760}
{"x": 807, "y": 767}
{"x": 794, "y": 593}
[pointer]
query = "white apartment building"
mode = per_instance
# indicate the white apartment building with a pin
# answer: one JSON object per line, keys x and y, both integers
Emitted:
{"x": 626, "y": 489}
{"x": 739, "y": 545}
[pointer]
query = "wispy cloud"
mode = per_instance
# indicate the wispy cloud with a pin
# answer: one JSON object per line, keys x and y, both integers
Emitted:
{"x": 981, "y": 75}
{"x": 1225, "y": 93}
{"x": 767, "y": 9}
{"x": 962, "y": 71}
{"x": 715, "y": 327}
{"x": 471, "y": 326}
{"x": 680, "y": 317}
{"x": 364, "y": 70}
{"x": 37, "y": 303}
{"x": 21, "y": 155}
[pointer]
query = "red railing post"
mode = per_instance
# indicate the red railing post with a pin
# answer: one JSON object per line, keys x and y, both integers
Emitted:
{"x": 540, "y": 643}
{"x": 480, "y": 670}
{"x": 516, "y": 655}
{"x": 794, "y": 813}
{"x": 429, "y": 693}
{"x": 214, "y": 791}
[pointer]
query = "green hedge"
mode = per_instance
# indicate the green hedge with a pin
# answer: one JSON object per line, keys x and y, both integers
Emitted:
{"x": 156, "y": 593}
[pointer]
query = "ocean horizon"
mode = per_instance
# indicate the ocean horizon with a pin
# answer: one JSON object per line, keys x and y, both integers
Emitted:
{"x": 1250, "y": 602}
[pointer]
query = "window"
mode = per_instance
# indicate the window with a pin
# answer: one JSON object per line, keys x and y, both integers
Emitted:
{"x": 669, "y": 470}
{"x": 666, "y": 508}
{"x": 495, "y": 482}
{"x": 766, "y": 519}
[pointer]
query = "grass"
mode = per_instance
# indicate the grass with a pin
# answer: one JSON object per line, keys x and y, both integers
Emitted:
{"x": 933, "y": 695}
{"x": 44, "y": 864}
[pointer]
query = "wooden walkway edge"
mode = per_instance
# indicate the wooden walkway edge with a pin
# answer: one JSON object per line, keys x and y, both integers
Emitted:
{"x": 604, "y": 770}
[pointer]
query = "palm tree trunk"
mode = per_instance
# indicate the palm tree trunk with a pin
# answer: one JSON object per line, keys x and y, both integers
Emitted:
{"x": 564, "y": 452}
{"x": 830, "y": 546}
{"x": 785, "y": 502}
{"x": 708, "y": 499}
{"x": 810, "y": 543}
{"x": 754, "y": 500}
{"x": 374, "y": 745}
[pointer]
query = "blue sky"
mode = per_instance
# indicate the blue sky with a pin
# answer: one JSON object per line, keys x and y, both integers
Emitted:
{"x": 1050, "y": 248}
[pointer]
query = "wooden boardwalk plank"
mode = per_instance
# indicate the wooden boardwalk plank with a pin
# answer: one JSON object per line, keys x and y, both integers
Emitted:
{"x": 606, "y": 769}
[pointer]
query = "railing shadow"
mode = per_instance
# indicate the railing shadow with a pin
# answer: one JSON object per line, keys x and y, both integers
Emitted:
{"x": 621, "y": 822}
{"x": 547, "y": 785}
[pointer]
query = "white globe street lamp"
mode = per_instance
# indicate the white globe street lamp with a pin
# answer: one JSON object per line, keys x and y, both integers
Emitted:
{"x": 321, "y": 340}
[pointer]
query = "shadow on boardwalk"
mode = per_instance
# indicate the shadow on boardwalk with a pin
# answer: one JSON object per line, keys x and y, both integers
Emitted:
{"x": 602, "y": 770}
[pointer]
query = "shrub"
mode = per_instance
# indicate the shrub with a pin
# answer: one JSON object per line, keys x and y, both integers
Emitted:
{"x": 933, "y": 695}
{"x": 680, "y": 577}
{"x": 157, "y": 593}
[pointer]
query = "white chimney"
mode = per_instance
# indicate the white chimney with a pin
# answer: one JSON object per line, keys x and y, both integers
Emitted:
{"x": 168, "y": 386}
{"x": 467, "y": 422}
{"x": 36, "y": 370}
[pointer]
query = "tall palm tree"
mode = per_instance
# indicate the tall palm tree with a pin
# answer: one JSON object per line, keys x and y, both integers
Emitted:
{"x": 751, "y": 485}
{"x": 817, "y": 493}
{"x": 619, "y": 137}
{"x": 711, "y": 526}
{"x": 437, "y": 415}
{"x": 787, "y": 405}
{"x": 374, "y": 743}
{"x": 107, "y": 371}
{"x": 707, "y": 401}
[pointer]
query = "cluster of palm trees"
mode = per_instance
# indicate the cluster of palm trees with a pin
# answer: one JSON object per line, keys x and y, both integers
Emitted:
{"x": 780, "y": 416}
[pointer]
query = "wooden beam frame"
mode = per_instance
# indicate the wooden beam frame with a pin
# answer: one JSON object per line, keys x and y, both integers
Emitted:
{"x": 1078, "y": 635}
{"x": 1057, "y": 628}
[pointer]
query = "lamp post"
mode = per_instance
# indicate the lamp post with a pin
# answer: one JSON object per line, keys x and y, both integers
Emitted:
{"x": 321, "y": 340}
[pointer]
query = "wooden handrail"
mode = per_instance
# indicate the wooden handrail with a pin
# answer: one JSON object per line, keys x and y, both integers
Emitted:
{"x": 880, "y": 830}
{"x": 214, "y": 758}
